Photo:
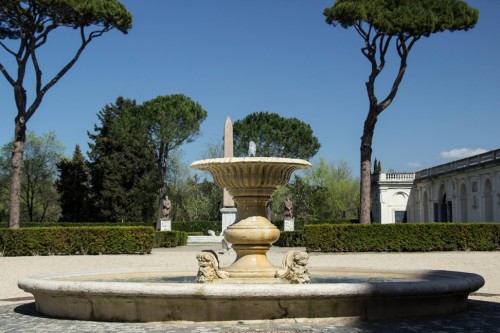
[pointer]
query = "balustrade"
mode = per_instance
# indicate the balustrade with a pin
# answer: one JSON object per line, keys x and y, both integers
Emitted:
{"x": 487, "y": 157}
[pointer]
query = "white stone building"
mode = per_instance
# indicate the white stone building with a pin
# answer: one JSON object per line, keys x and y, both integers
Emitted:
{"x": 466, "y": 190}
{"x": 390, "y": 193}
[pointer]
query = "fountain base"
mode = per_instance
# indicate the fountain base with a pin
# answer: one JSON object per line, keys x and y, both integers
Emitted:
{"x": 108, "y": 297}
{"x": 251, "y": 262}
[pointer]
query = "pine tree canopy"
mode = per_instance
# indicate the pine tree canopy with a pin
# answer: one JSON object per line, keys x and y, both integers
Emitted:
{"x": 411, "y": 17}
{"x": 275, "y": 136}
{"x": 41, "y": 16}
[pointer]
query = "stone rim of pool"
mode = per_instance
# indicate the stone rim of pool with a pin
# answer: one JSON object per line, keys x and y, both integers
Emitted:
{"x": 68, "y": 295}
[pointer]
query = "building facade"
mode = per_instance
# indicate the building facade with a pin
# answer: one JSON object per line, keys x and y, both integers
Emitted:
{"x": 466, "y": 190}
{"x": 390, "y": 194}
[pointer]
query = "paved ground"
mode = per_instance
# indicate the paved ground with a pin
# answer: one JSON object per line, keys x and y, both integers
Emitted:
{"x": 18, "y": 314}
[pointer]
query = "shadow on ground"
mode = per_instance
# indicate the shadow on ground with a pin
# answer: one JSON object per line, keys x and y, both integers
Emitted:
{"x": 480, "y": 316}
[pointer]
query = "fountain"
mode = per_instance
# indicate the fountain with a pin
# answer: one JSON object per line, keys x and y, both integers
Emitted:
{"x": 251, "y": 288}
{"x": 251, "y": 181}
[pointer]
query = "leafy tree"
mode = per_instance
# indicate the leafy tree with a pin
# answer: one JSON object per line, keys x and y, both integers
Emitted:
{"x": 29, "y": 23}
{"x": 380, "y": 24}
{"x": 195, "y": 200}
{"x": 38, "y": 195}
{"x": 73, "y": 187}
{"x": 274, "y": 136}
{"x": 192, "y": 199}
{"x": 325, "y": 192}
{"x": 169, "y": 122}
{"x": 336, "y": 190}
{"x": 178, "y": 180}
{"x": 123, "y": 174}
{"x": 207, "y": 201}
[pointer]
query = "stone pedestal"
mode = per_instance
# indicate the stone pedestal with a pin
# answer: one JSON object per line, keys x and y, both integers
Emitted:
{"x": 289, "y": 225}
{"x": 165, "y": 225}
{"x": 228, "y": 217}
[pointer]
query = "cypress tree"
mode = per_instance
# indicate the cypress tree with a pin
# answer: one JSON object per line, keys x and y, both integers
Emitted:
{"x": 74, "y": 188}
{"x": 123, "y": 178}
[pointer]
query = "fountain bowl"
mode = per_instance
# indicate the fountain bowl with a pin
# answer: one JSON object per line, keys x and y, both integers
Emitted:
{"x": 109, "y": 296}
{"x": 247, "y": 175}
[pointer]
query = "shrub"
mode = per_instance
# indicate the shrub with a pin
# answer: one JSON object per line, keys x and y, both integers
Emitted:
{"x": 198, "y": 226}
{"x": 79, "y": 224}
{"x": 77, "y": 240}
{"x": 170, "y": 238}
{"x": 402, "y": 237}
{"x": 299, "y": 224}
{"x": 291, "y": 239}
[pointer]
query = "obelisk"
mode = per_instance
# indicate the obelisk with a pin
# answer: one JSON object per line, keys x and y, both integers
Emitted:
{"x": 228, "y": 211}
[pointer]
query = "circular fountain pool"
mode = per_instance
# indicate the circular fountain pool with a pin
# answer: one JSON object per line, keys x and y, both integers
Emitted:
{"x": 169, "y": 295}
{"x": 251, "y": 288}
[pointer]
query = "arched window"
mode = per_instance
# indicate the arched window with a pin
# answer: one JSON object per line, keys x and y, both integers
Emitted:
{"x": 442, "y": 208}
{"x": 399, "y": 203}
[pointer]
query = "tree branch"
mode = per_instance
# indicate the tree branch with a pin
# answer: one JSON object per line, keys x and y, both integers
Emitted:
{"x": 84, "y": 42}
{"x": 42, "y": 38}
{"x": 7, "y": 75}
{"x": 403, "y": 52}
{"x": 38, "y": 72}
{"x": 383, "y": 47}
{"x": 7, "y": 49}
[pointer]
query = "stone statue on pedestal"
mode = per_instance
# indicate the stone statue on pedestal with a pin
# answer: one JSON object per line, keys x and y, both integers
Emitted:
{"x": 288, "y": 207}
{"x": 164, "y": 223}
{"x": 166, "y": 206}
{"x": 289, "y": 221}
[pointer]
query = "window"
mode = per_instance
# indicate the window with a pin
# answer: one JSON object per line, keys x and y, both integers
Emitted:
{"x": 400, "y": 216}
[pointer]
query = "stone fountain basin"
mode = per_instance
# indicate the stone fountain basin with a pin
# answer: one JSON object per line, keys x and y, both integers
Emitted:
{"x": 106, "y": 296}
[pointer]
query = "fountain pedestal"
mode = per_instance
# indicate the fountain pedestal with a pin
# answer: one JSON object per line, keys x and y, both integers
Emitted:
{"x": 251, "y": 181}
{"x": 251, "y": 239}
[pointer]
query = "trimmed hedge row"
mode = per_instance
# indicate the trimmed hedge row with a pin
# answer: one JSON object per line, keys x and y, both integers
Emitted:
{"x": 291, "y": 239}
{"x": 78, "y": 224}
{"x": 198, "y": 226}
{"x": 411, "y": 237}
{"x": 76, "y": 240}
{"x": 299, "y": 224}
{"x": 170, "y": 238}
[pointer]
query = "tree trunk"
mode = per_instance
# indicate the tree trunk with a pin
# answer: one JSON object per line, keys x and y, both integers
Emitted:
{"x": 15, "y": 175}
{"x": 365, "y": 191}
{"x": 366, "y": 165}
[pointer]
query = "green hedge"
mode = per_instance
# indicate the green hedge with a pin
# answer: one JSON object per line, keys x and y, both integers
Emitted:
{"x": 291, "y": 239}
{"x": 76, "y": 240}
{"x": 79, "y": 224}
{"x": 299, "y": 224}
{"x": 170, "y": 238}
{"x": 198, "y": 226}
{"x": 403, "y": 237}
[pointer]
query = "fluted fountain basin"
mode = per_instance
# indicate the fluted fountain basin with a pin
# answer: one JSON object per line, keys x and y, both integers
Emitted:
{"x": 174, "y": 296}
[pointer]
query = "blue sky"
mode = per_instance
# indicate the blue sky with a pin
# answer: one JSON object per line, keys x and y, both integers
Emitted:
{"x": 239, "y": 57}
